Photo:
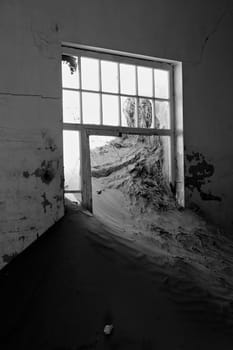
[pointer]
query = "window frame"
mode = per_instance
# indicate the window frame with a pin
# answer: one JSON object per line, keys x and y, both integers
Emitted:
{"x": 99, "y": 129}
{"x": 118, "y": 59}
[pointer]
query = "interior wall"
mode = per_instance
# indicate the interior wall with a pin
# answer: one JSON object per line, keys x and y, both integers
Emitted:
{"x": 198, "y": 33}
{"x": 31, "y": 196}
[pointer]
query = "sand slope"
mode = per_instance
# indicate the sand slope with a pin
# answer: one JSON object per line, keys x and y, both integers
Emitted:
{"x": 181, "y": 242}
{"x": 160, "y": 275}
{"x": 60, "y": 293}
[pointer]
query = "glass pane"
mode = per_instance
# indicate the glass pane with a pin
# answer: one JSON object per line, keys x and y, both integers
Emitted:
{"x": 128, "y": 84}
{"x": 128, "y": 112}
{"x": 162, "y": 109}
{"x": 109, "y": 76}
{"x": 161, "y": 83}
{"x": 71, "y": 154}
{"x": 145, "y": 113}
{"x": 91, "y": 108}
{"x": 70, "y": 73}
{"x": 71, "y": 111}
{"x": 110, "y": 110}
{"x": 90, "y": 73}
{"x": 145, "y": 87}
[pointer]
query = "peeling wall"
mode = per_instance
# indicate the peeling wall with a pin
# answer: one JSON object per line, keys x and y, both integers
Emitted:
{"x": 31, "y": 197}
{"x": 198, "y": 33}
{"x": 198, "y": 175}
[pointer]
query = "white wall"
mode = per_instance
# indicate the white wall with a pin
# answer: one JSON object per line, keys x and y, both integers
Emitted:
{"x": 198, "y": 33}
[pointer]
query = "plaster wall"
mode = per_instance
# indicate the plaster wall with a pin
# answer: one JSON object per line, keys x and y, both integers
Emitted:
{"x": 197, "y": 33}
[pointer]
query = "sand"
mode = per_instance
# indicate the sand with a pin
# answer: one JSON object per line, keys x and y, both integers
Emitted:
{"x": 62, "y": 291}
{"x": 150, "y": 217}
{"x": 162, "y": 276}
{"x": 180, "y": 242}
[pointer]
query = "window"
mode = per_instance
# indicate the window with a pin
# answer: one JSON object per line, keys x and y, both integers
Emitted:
{"x": 105, "y": 92}
{"x": 111, "y": 94}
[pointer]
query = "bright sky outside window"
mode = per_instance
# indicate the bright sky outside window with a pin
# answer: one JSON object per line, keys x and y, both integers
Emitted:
{"x": 128, "y": 79}
{"x": 145, "y": 85}
{"x": 90, "y": 73}
{"x": 109, "y": 76}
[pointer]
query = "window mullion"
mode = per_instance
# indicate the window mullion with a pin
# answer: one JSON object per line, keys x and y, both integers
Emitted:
{"x": 100, "y": 94}
{"x": 80, "y": 92}
{"x": 137, "y": 99}
{"x": 172, "y": 126}
{"x": 119, "y": 94}
{"x": 153, "y": 100}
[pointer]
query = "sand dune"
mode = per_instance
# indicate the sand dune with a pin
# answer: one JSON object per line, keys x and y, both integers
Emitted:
{"x": 179, "y": 241}
{"x": 62, "y": 291}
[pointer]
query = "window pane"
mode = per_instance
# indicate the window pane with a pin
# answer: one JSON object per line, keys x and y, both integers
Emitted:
{"x": 128, "y": 84}
{"x": 161, "y": 83}
{"x": 90, "y": 73}
{"x": 70, "y": 73}
{"x": 71, "y": 154}
{"x": 145, "y": 87}
{"x": 145, "y": 113}
{"x": 128, "y": 112}
{"x": 109, "y": 76}
{"x": 110, "y": 110}
{"x": 162, "y": 109}
{"x": 91, "y": 108}
{"x": 71, "y": 111}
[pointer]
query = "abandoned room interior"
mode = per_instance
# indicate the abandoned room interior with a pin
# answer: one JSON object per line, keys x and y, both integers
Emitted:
{"x": 116, "y": 196}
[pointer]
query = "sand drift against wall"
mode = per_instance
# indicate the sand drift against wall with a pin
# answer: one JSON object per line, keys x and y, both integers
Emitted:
{"x": 132, "y": 197}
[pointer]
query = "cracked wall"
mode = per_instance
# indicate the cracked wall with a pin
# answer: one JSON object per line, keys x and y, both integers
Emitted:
{"x": 195, "y": 32}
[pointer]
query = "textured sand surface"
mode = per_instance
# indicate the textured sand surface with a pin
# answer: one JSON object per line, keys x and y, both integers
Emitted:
{"x": 62, "y": 291}
{"x": 160, "y": 275}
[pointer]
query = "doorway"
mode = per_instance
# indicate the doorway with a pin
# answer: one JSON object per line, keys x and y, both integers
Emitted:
{"x": 129, "y": 175}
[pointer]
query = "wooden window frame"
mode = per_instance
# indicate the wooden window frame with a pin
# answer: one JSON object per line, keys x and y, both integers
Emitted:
{"x": 105, "y": 130}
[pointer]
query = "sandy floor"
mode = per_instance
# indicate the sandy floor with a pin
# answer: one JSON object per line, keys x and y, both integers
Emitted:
{"x": 160, "y": 275}
{"x": 132, "y": 198}
{"x": 181, "y": 241}
{"x": 80, "y": 276}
